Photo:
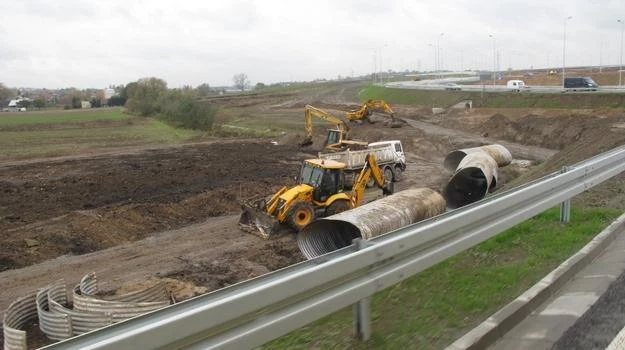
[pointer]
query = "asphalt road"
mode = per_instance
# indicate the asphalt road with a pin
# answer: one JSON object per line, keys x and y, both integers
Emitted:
{"x": 600, "y": 324}
{"x": 440, "y": 85}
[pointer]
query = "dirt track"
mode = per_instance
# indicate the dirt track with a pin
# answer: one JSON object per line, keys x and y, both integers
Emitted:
{"x": 173, "y": 211}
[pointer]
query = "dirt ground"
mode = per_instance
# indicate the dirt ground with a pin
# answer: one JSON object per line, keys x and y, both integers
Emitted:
{"x": 173, "y": 212}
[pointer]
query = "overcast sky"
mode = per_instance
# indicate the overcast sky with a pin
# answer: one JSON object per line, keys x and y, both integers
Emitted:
{"x": 63, "y": 43}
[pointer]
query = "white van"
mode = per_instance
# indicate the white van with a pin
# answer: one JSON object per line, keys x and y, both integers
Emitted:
{"x": 515, "y": 85}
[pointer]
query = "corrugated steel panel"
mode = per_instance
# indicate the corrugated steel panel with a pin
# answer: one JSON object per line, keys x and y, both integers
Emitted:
{"x": 20, "y": 312}
{"x": 157, "y": 292}
{"x": 119, "y": 310}
{"x": 82, "y": 322}
{"x": 55, "y": 325}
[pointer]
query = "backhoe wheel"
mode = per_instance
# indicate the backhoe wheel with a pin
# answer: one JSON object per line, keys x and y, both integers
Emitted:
{"x": 299, "y": 215}
{"x": 338, "y": 206}
{"x": 388, "y": 175}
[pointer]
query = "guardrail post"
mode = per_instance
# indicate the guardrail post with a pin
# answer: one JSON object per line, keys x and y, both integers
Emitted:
{"x": 362, "y": 308}
{"x": 565, "y": 207}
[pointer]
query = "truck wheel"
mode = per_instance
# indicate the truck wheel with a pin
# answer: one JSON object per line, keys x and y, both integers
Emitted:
{"x": 399, "y": 174}
{"x": 299, "y": 215}
{"x": 338, "y": 206}
{"x": 388, "y": 174}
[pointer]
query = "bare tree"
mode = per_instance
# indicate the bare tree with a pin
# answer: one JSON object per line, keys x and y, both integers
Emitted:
{"x": 240, "y": 81}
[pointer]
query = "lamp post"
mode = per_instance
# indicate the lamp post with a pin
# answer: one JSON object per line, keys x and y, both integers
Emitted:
{"x": 494, "y": 58}
{"x": 620, "y": 69}
{"x": 434, "y": 61}
{"x": 438, "y": 52}
{"x": 564, "y": 51}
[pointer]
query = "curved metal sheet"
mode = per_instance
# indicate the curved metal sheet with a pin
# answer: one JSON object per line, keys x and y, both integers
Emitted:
{"x": 499, "y": 153}
{"x": 19, "y": 312}
{"x": 475, "y": 176}
{"x": 370, "y": 220}
{"x": 118, "y": 309}
{"x": 54, "y": 325}
{"x": 157, "y": 292}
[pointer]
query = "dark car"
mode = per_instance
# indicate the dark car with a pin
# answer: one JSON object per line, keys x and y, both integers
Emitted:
{"x": 580, "y": 84}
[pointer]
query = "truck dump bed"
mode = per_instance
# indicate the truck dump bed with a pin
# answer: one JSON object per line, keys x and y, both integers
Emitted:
{"x": 356, "y": 159}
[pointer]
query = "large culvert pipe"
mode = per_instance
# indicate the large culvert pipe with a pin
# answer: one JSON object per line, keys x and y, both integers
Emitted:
{"x": 475, "y": 176}
{"x": 370, "y": 220}
{"x": 499, "y": 153}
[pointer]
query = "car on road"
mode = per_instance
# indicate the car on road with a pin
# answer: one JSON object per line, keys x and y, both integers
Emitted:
{"x": 580, "y": 83}
{"x": 452, "y": 87}
{"x": 515, "y": 85}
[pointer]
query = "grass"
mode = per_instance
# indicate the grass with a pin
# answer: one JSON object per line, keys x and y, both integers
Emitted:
{"x": 424, "y": 98}
{"x": 435, "y": 307}
{"x": 61, "y": 116}
{"x": 66, "y": 141}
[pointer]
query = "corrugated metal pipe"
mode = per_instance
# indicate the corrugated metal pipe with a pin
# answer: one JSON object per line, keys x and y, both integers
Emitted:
{"x": 370, "y": 220}
{"x": 499, "y": 153}
{"x": 475, "y": 176}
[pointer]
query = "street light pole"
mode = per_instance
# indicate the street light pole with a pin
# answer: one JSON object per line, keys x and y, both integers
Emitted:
{"x": 564, "y": 51}
{"x": 438, "y": 52}
{"x": 494, "y": 58}
{"x": 620, "y": 70}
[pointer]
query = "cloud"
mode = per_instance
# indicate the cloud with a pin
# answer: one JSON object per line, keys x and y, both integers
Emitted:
{"x": 94, "y": 44}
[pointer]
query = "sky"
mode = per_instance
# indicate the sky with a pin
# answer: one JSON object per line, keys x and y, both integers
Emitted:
{"x": 93, "y": 44}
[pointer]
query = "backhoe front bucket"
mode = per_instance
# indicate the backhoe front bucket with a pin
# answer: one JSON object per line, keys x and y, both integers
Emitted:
{"x": 256, "y": 221}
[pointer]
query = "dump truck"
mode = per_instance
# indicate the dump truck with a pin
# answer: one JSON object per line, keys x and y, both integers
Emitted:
{"x": 389, "y": 156}
{"x": 320, "y": 191}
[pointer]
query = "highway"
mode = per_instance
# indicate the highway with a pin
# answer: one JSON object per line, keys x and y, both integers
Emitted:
{"x": 440, "y": 84}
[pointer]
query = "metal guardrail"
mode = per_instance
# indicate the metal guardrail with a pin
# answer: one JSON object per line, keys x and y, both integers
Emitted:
{"x": 251, "y": 313}
{"x": 16, "y": 316}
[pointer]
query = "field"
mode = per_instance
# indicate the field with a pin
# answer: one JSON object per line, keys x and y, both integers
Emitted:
{"x": 81, "y": 190}
{"x": 61, "y": 133}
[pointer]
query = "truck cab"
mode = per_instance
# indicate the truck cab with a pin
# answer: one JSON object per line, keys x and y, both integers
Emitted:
{"x": 397, "y": 146}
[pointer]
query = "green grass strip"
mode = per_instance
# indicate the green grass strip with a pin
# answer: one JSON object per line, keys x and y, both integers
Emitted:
{"x": 440, "y": 304}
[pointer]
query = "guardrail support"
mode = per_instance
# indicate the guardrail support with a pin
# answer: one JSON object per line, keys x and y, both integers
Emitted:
{"x": 362, "y": 308}
{"x": 565, "y": 207}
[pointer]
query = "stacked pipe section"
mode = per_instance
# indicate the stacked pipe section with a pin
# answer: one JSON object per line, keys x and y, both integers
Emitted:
{"x": 475, "y": 173}
{"x": 370, "y": 220}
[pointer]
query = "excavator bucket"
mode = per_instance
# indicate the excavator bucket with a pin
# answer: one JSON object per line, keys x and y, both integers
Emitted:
{"x": 255, "y": 220}
{"x": 307, "y": 141}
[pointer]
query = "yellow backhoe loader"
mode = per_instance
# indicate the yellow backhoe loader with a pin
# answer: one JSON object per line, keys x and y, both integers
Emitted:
{"x": 368, "y": 107}
{"x": 337, "y": 139}
{"x": 319, "y": 192}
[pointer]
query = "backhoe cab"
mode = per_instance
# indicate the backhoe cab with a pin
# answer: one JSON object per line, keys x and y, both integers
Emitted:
{"x": 319, "y": 193}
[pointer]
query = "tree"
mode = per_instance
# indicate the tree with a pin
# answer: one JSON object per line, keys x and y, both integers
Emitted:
{"x": 203, "y": 90}
{"x": 24, "y": 103}
{"x": 240, "y": 81}
{"x": 144, "y": 95}
{"x": 39, "y": 103}
{"x": 260, "y": 86}
{"x": 5, "y": 94}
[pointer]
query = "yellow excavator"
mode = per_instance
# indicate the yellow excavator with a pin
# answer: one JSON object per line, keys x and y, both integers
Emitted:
{"x": 368, "y": 107}
{"x": 319, "y": 192}
{"x": 337, "y": 139}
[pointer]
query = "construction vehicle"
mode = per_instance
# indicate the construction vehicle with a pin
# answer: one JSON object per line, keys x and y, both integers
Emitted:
{"x": 365, "y": 112}
{"x": 319, "y": 192}
{"x": 389, "y": 156}
{"x": 337, "y": 139}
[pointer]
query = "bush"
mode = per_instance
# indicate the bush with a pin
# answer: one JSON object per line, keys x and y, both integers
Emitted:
{"x": 150, "y": 97}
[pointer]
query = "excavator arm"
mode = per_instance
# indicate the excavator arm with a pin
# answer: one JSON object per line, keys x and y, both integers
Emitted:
{"x": 370, "y": 169}
{"x": 366, "y": 109}
{"x": 334, "y": 142}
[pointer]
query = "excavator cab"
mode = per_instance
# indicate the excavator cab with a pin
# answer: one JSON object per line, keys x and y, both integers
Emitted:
{"x": 335, "y": 137}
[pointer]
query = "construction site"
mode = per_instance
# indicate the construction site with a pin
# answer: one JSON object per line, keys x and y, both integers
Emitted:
{"x": 140, "y": 215}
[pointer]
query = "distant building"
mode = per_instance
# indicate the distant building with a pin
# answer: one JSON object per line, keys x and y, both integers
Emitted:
{"x": 85, "y": 104}
{"x": 108, "y": 93}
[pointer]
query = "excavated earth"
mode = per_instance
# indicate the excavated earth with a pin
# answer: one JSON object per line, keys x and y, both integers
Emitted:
{"x": 172, "y": 212}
